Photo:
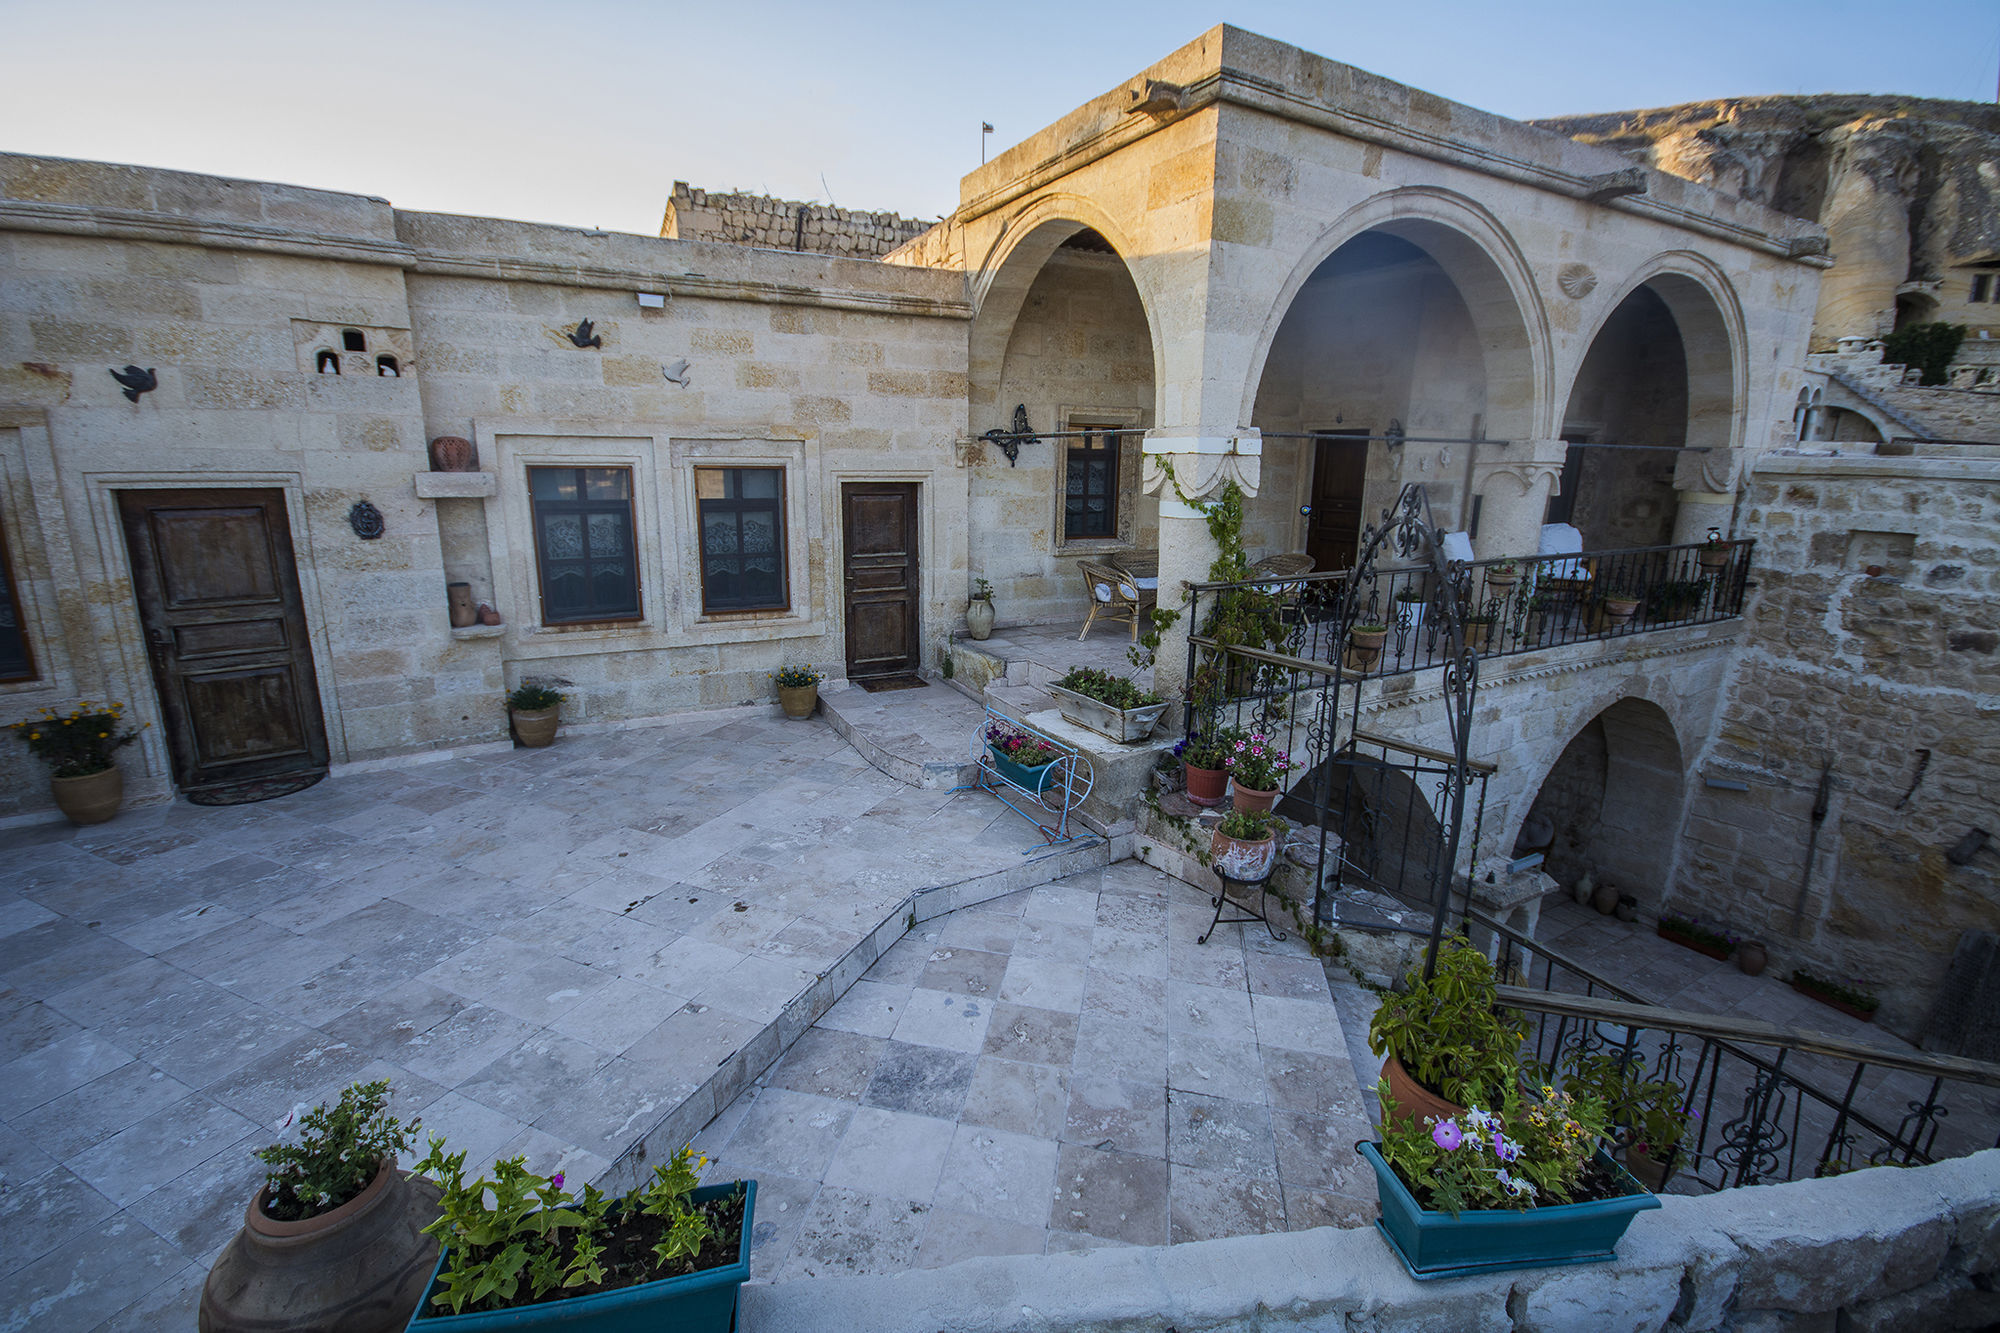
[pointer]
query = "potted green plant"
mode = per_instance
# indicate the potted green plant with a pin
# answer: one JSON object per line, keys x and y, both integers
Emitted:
{"x": 1205, "y": 761}
{"x": 798, "y": 689}
{"x": 1257, "y": 769}
{"x": 1245, "y": 844}
{"x": 1501, "y": 576}
{"x": 1690, "y": 933}
{"x": 1027, "y": 760}
{"x": 979, "y": 610}
{"x": 1110, "y": 705}
{"x": 521, "y": 1251}
{"x": 1483, "y": 1191}
{"x": 336, "y": 1238}
{"x": 1364, "y": 645}
{"x": 535, "y": 711}
{"x": 1479, "y": 631}
{"x": 81, "y": 749}
{"x": 1445, "y": 1042}
{"x": 1651, "y": 1115}
{"x": 1849, "y": 1000}
{"x": 1618, "y": 606}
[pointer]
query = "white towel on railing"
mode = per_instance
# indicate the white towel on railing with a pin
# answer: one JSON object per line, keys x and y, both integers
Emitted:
{"x": 1458, "y": 546}
{"x": 1562, "y": 539}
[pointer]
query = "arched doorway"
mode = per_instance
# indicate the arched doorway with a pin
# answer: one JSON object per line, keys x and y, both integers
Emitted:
{"x": 1063, "y": 334}
{"x": 1612, "y": 801}
{"x": 1658, "y": 381}
{"x": 1406, "y": 329}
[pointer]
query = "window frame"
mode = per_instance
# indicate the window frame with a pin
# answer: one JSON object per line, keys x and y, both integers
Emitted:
{"x": 1078, "y": 448}
{"x": 1129, "y": 425}
{"x": 1982, "y": 288}
{"x": 779, "y": 508}
{"x": 10, "y": 587}
{"x": 585, "y": 508}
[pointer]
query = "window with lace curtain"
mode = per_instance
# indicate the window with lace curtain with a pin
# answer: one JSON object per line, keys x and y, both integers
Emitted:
{"x": 584, "y": 548}
{"x": 742, "y": 515}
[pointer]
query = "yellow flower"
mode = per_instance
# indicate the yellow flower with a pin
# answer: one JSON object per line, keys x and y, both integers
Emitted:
{"x": 102, "y": 734}
{"x": 34, "y": 735}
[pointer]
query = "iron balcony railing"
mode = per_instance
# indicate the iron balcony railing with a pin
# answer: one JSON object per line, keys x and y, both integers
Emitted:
{"x": 1800, "y": 1104}
{"x": 1521, "y": 604}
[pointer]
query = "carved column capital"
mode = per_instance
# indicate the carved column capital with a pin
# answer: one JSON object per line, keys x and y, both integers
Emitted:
{"x": 1184, "y": 469}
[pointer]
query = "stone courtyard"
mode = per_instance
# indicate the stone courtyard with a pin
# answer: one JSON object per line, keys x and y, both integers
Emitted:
{"x": 547, "y": 951}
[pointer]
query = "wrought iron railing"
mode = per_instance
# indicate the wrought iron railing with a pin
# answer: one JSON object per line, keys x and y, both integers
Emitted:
{"x": 1521, "y": 604}
{"x": 1770, "y": 1104}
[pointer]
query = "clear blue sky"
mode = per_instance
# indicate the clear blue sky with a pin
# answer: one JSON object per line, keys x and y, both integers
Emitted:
{"x": 585, "y": 113}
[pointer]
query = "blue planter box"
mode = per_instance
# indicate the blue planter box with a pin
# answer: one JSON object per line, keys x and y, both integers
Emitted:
{"x": 1433, "y": 1244}
{"x": 703, "y": 1302}
{"x": 1027, "y": 779}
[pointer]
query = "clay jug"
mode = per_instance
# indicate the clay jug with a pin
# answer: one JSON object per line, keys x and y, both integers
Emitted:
{"x": 1752, "y": 957}
{"x": 358, "y": 1269}
{"x": 1585, "y": 886}
{"x": 459, "y": 597}
{"x": 1605, "y": 899}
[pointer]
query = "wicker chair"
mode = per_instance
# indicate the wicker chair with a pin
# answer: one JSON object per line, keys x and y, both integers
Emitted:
{"x": 1116, "y": 594}
{"x": 1292, "y": 562}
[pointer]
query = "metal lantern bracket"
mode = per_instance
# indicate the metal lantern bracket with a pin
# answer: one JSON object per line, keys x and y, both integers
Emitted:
{"x": 1010, "y": 442}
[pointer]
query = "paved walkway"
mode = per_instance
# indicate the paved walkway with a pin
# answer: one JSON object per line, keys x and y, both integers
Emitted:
{"x": 536, "y": 946}
{"x": 1060, "y": 1069}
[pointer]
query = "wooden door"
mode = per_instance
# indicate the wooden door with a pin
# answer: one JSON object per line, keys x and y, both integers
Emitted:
{"x": 879, "y": 520}
{"x": 1340, "y": 468}
{"x": 219, "y": 600}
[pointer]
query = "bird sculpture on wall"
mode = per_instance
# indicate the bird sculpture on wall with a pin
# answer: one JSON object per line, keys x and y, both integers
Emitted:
{"x": 582, "y": 336}
{"x": 677, "y": 373}
{"x": 136, "y": 382}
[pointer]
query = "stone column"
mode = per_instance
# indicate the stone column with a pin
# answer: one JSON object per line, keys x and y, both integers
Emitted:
{"x": 1184, "y": 470}
{"x": 1705, "y": 485}
{"x": 1514, "y": 485}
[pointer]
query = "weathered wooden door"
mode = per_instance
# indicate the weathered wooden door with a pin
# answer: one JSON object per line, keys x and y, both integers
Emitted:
{"x": 880, "y": 524}
{"x": 1340, "y": 467}
{"x": 219, "y": 599}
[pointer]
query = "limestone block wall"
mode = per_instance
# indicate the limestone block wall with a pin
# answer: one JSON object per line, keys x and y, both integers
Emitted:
{"x": 833, "y": 370}
{"x": 1890, "y": 677}
{"x": 783, "y": 224}
{"x": 1080, "y": 352}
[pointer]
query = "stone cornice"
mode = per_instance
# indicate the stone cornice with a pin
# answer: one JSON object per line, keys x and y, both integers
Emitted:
{"x": 1383, "y": 703}
{"x": 1865, "y": 467}
{"x": 135, "y": 225}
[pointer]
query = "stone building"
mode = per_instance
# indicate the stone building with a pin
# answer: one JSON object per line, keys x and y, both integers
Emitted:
{"x": 698, "y": 459}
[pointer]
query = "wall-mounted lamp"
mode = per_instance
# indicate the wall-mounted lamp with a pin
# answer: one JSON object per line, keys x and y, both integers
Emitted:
{"x": 652, "y": 301}
{"x": 1394, "y": 435}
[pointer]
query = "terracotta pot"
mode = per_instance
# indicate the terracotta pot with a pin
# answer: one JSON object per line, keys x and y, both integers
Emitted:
{"x": 1715, "y": 951}
{"x": 1605, "y": 899}
{"x": 979, "y": 617}
{"x": 1713, "y": 562}
{"x": 90, "y": 799}
{"x": 1651, "y": 1174}
{"x": 1619, "y": 610}
{"x": 1627, "y": 908}
{"x": 798, "y": 700}
{"x": 458, "y": 596}
{"x": 487, "y": 615}
{"x": 535, "y": 729}
{"x": 1752, "y": 957}
{"x": 1243, "y": 858}
{"x": 1206, "y": 786}
{"x": 454, "y": 453}
{"x": 1412, "y": 1097}
{"x": 1364, "y": 648}
{"x": 1500, "y": 585}
{"x": 1479, "y": 633}
{"x": 1249, "y": 798}
{"x": 358, "y": 1269}
{"x": 1831, "y": 1002}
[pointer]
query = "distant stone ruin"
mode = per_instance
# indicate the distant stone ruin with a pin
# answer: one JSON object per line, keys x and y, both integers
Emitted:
{"x": 784, "y": 224}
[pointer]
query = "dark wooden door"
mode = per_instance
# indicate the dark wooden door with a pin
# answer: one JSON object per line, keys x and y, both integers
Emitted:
{"x": 219, "y": 599}
{"x": 879, "y": 520}
{"x": 1340, "y": 467}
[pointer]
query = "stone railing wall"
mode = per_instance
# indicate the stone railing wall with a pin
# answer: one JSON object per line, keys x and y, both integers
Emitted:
{"x": 775, "y": 224}
{"x": 1875, "y": 1250}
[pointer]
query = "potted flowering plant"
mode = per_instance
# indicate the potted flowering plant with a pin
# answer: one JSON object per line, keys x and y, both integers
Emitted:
{"x": 80, "y": 747}
{"x": 979, "y": 610}
{"x": 520, "y": 1251}
{"x": 1501, "y": 576}
{"x": 1651, "y": 1115}
{"x": 1257, "y": 768}
{"x": 1109, "y": 705}
{"x": 1245, "y": 844}
{"x": 535, "y": 710}
{"x": 798, "y": 688}
{"x": 335, "y": 1238}
{"x": 1849, "y": 1000}
{"x": 1521, "y": 1187}
{"x": 1206, "y": 760}
{"x": 1024, "y": 759}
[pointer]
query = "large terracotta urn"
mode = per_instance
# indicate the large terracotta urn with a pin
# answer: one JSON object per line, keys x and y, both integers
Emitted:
{"x": 358, "y": 1269}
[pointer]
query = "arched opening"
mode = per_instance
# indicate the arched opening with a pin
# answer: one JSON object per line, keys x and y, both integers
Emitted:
{"x": 1657, "y": 382}
{"x": 386, "y": 367}
{"x": 351, "y": 340}
{"x": 1915, "y": 308}
{"x": 1063, "y": 333}
{"x": 1611, "y": 802}
{"x": 1408, "y": 329}
{"x": 327, "y": 361}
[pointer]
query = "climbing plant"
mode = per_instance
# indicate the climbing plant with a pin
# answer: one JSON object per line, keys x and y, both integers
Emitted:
{"x": 1930, "y": 347}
